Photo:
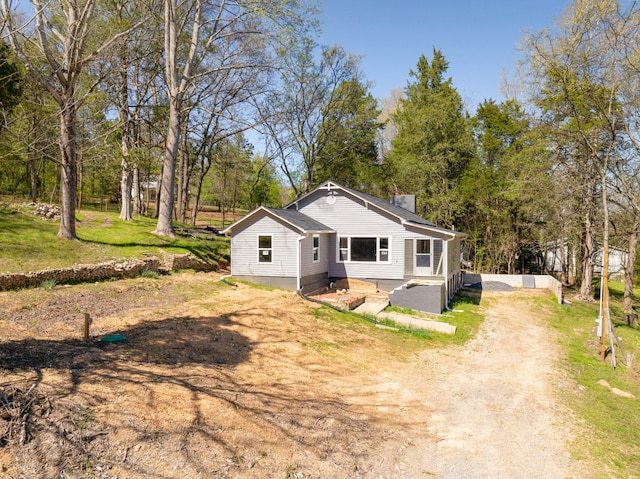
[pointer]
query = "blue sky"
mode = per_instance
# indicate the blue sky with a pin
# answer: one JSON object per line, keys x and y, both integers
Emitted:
{"x": 479, "y": 38}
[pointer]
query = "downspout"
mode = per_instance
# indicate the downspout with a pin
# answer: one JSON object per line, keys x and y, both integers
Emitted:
{"x": 298, "y": 265}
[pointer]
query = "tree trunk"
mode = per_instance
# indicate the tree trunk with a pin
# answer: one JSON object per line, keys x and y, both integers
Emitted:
{"x": 196, "y": 200}
{"x": 68, "y": 176}
{"x": 184, "y": 177}
{"x": 126, "y": 178}
{"x": 137, "y": 200}
{"x": 165, "y": 202}
{"x": 125, "y": 174}
{"x": 33, "y": 177}
{"x": 629, "y": 270}
{"x": 586, "y": 288}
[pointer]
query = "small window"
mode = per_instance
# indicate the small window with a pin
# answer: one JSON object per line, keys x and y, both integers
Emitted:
{"x": 316, "y": 248}
{"x": 383, "y": 248}
{"x": 344, "y": 249}
{"x": 265, "y": 249}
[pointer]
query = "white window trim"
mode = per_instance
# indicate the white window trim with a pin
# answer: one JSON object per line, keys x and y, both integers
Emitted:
{"x": 314, "y": 249}
{"x": 260, "y": 249}
{"x": 377, "y": 261}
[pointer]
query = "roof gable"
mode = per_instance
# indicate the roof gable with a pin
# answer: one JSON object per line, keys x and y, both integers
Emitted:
{"x": 404, "y": 216}
{"x": 293, "y": 218}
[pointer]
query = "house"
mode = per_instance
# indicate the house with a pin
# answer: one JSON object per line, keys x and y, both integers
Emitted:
{"x": 562, "y": 259}
{"x": 335, "y": 232}
{"x": 617, "y": 262}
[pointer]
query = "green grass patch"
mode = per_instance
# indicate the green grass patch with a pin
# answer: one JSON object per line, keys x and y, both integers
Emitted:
{"x": 263, "y": 287}
{"x": 616, "y": 289}
{"x": 465, "y": 315}
{"x": 29, "y": 243}
{"x": 48, "y": 284}
{"x": 613, "y": 420}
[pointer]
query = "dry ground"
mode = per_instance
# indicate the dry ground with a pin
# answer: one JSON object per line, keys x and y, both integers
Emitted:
{"x": 217, "y": 381}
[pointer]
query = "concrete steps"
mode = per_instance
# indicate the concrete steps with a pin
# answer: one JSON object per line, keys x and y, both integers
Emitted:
{"x": 374, "y": 306}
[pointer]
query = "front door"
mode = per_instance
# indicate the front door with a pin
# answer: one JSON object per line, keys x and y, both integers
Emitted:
{"x": 423, "y": 258}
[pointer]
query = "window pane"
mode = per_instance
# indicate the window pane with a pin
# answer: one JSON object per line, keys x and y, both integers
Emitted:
{"x": 344, "y": 242}
{"x": 363, "y": 249}
{"x": 384, "y": 255}
{"x": 264, "y": 241}
{"x": 423, "y": 246}
{"x": 316, "y": 254}
{"x": 423, "y": 261}
{"x": 384, "y": 243}
{"x": 344, "y": 254}
{"x": 264, "y": 256}
{"x": 316, "y": 241}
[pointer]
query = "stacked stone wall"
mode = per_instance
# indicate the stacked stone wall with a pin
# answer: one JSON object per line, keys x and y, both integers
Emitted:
{"x": 102, "y": 271}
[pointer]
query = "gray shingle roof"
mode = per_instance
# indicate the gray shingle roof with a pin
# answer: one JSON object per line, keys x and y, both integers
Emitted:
{"x": 389, "y": 207}
{"x": 298, "y": 219}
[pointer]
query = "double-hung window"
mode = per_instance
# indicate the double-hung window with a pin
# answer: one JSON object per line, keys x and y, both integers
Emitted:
{"x": 364, "y": 249}
{"x": 265, "y": 249}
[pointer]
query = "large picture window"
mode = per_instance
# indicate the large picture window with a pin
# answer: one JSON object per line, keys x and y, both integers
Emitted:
{"x": 363, "y": 249}
{"x": 265, "y": 249}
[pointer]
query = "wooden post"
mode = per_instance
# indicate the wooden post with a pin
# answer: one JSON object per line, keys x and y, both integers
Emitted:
{"x": 87, "y": 322}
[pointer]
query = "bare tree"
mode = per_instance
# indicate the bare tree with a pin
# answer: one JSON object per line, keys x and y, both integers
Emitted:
{"x": 298, "y": 111}
{"x": 192, "y": 31}
{"x": 579, "y": 85}
{"x": 56, "y": 52}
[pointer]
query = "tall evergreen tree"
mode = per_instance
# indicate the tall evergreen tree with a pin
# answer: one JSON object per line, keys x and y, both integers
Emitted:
{"x": 349, "y": 154}
{"x": 433, "y": 145}
{"x": 500, "y": 188}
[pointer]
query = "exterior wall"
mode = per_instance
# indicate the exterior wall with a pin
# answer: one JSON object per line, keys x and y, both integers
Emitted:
{"x": 244, "y": 250}
{"x": 617, "y": 261}
{"x": 350, "y": 217}
{"x": 429, "y": 298}
{"x": 454, "y": 273}
{"x": 313, "y": 282}
{"x": 453, "y": 257}
{"x": 532, "y": 281}
{"x": 308, "y": 267}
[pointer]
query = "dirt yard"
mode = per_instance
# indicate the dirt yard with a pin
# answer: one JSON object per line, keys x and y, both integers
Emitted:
{"x": 215, "y": 381}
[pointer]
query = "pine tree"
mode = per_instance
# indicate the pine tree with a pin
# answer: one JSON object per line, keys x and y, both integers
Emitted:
{"x": 433, "y": 145}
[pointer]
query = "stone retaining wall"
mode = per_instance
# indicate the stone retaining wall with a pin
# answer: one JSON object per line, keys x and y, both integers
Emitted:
{"x": 101, "y": 271}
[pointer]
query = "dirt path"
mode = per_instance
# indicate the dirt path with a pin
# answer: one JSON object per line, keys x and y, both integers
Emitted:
{"x": 491, "y": 407}
{"x": 224, "y": 382}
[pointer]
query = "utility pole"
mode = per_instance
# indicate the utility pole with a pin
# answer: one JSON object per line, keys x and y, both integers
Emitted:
{"x": 604, "y": 299}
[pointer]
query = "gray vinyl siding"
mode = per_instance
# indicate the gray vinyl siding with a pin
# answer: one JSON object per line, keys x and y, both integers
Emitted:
{"x": 453, "y": 256}
{"x": 408, "y": 257}
{"x": 438, "y": 260}
{"x": 244, "y": 249}
{"x": 308, "y": 266}
{"x": 350, "y": 217}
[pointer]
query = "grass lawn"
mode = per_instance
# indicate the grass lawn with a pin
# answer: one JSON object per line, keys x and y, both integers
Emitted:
{"x": 613, "y": 420}
{"x": 29, "y": 243}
